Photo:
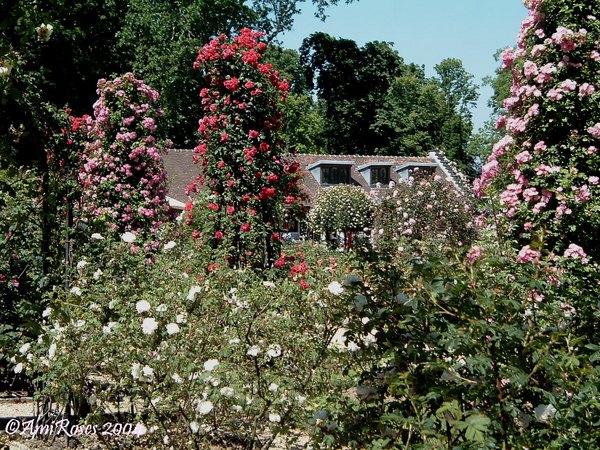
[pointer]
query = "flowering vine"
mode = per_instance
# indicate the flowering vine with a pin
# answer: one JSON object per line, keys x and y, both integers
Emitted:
{"x": 122, "y": 176}
{"x": 242, "y": 170}
{"x": 545, "y": 168}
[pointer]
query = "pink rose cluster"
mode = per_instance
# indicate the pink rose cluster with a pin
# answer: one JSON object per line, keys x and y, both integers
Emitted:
{"x": 122, "y": 176}
{"x": 540, "y": 169}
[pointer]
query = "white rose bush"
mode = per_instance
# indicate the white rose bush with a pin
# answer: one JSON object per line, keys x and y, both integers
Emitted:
{"x": 342, "y": 208}
{"x": 201, "y": 356}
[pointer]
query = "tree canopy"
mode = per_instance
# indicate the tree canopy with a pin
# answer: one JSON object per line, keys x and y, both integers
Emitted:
{"x": 375, "y": 103}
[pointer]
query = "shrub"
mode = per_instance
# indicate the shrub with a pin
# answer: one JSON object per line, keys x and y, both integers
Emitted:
{"x": 240, "y": 151}
{"x": 21, "y": 277}
{"x": 475, "y": 352}
{"x": 203, "y": 352}
{"x": 425, "y": 211}
{"x": 343, "y": 209}
{"x": 123, "y": 178}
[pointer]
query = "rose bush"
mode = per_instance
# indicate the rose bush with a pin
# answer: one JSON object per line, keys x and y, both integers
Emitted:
{"x": 202, "y": 352}
{"x": 344, "y": 209}
{"x": 546, "y": 166}
{"x": 123, "y": 180}
{"x": 424, "y": 211}
{"x": 477, "y": 352}
{"x": 240, "y": 150}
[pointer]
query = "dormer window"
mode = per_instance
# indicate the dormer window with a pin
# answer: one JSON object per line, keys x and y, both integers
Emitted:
{"x": 376, "y": 174}
{"x": 335, "y": 175}
{"x": 329, "y": 173}
{"x": 416, "y": 169}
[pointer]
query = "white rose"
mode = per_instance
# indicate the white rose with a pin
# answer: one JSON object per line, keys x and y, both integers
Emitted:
{"x": 204, "y": 407}
{"x": 142, "y": 306}
{"x": 172, "y": 328}
{"x": 253, "y": 351}
{"x": 128, "y": 237}
{"x": 227, "y": 391}
{"x": 24, "y": 348}
{"x": 335, "y": 288}
{"x": 210, "y": 365}
{"x": 149, "y": 325}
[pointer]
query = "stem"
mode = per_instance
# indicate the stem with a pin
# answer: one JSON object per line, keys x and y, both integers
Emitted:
{"x": 500, "y": 397}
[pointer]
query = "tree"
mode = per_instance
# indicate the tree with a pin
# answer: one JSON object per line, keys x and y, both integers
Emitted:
{"x": 460, "y": 95}
{"x": 481, "y": 142}
{"x": 411, "y": 117}
{"x": 304, "y": 124}
{"x": 304, "y": 121}
{"x": 53, "y": 54}
{"x": 351, "y": 83}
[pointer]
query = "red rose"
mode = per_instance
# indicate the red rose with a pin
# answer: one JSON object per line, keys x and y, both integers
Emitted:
{"x": 232, "y": 84}
{"x": 245, "y": 227}
{"x": 272, "y": 178}
{"x": 195, "y": 234}
{"x": 213, "y": 206}
{"x": 230, "y": 210}
{"x": 253, "y": 134}
{"x": 279, "y": 263}
{"x": 303, "y": 285}
{"x": 219, "y": 235}
{"x": 266, "y": 192}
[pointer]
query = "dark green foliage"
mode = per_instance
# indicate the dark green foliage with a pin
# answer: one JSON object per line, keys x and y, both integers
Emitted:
{"x": 351, "y": 82}
{"x": 374, "y": 103}
{"x": 22, "y": 279}
{"x": 488, "y": 354}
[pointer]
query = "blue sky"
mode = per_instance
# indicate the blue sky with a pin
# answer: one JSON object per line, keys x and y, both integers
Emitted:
{"x": 424, "y": 32}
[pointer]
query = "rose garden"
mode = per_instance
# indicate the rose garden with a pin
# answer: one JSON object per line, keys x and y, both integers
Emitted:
{"x": 451, "y": 320}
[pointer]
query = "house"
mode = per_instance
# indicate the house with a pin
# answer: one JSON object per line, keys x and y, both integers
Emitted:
{"x": 375, "y": 174}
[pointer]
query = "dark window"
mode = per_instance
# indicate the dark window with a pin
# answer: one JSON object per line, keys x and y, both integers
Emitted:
{"x": 335, "y": 175}
{"x": 380, "y": 175}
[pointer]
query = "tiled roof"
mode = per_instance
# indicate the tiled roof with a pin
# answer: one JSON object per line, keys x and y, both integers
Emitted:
{"x": 181, "y": 170}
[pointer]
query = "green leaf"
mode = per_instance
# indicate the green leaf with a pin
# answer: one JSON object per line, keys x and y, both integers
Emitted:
{"x": 476, "y": 427}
